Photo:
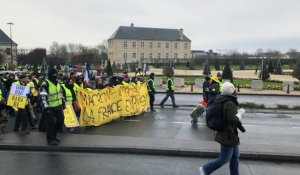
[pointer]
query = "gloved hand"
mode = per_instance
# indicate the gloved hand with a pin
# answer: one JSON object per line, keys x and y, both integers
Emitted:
{"x": 241, "y": 128}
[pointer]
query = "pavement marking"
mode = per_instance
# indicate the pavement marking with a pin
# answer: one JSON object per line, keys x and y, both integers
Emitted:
{"x": 296, "y": 127}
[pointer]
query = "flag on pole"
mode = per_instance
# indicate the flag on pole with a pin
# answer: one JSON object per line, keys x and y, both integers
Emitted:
{"x": 44, "y": 66}
{"x": 87, "y": 74}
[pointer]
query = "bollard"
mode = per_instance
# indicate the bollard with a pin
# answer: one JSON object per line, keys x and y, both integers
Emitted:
{"x": 238, "y": 87}
{"x": 191, "y": 87}
{"x": 288, "y": 89}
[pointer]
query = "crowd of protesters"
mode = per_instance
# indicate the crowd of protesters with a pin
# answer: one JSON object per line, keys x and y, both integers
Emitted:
{"x": 49, "y": 92}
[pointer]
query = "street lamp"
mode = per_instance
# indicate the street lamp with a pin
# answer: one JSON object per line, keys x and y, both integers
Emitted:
{"x": 11, "y": 43}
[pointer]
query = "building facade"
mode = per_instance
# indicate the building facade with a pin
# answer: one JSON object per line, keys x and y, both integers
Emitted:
{"x": 8, "y": 56}
{"x": 148, "y": 45}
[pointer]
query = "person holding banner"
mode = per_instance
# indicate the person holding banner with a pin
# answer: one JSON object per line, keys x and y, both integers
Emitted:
{"x": 53, "y": 104}
{"x": 23, "y": 117}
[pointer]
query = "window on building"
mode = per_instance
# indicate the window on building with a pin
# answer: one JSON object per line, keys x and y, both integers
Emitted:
{"x": 150, "y": 45}
{"x": 167, "y": 45}
{"x": 134, "y": 44}
{"x": 175, "y": 55}
{"x": 158, "y": 45}
{"x": 185, "y": 56}
{"x": 7, "y": 51}
{"x": 125, "y": 44}
{"x": 167, "y": 55}
{"x": 150, "y": 55}
{"x": 176, "y": 45}
{"x": 142, "y": 44}
{"x": 133, "y": 55}
{"x": 185, "y": 45}
{"x": 125, "y": 55}
{"x": 142, "y": 55}
{"x": 158, "y": 55}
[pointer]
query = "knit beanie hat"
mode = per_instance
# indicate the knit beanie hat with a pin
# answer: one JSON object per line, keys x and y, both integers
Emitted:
{"x": 227, "y": 88}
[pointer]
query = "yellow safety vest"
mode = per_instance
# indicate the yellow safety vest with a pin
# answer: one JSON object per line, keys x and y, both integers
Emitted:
{"x": 172, "y": 84}
{"x": 69, "y": 97}
{"x": 153, "y": 85}
{"x": 54, "y": 95}
{"x": 1, "y": 98}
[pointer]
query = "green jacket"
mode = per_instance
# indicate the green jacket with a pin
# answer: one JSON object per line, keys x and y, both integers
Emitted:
{"x": 229, "y": 136}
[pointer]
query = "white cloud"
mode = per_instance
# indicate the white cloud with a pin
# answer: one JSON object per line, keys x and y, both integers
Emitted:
{"x": 216, "y": 24}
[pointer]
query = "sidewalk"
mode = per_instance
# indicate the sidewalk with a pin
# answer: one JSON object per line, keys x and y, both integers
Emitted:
{"x": 243, "y": 91}
{"x": 36, "y": 141}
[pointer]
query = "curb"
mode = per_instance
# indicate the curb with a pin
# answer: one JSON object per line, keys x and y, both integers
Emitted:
{"x": 248, "y": 110}
{"x": 152, "y": 151}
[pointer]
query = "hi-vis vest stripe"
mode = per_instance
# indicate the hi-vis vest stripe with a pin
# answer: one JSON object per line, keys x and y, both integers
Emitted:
{"x": 54, "y": 95}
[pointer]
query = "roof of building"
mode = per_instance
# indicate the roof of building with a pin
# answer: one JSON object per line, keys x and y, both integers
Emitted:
{"x": 4, "y": 39}
{"x": 143, "y": 33}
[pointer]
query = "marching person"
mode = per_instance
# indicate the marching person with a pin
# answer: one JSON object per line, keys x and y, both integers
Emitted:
{"x": 169, "y": 92}
{"x": 228, "y": 139}
{"x": 23, "y": 115}
{"x": 151, "y": 91}
{"x": 53, "y": 103}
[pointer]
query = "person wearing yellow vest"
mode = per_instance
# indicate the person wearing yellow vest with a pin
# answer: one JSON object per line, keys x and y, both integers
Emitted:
{"x": 169, "y": 92}
{"x": 3, "y": 118}
{"x": 53, "y": 104}
{"x": 151, "y": 91}
{"x": 214, "y": 89}
{"x": 23, "y": 115}
{"x": 126, "y": 79}
{"x": 78, "y": 82}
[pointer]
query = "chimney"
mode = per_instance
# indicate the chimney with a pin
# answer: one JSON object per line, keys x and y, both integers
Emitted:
{"x": 131, "y": 25}
{"x": 181, "y": 34}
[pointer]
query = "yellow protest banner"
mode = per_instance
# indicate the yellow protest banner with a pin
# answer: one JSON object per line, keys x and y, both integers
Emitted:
{"x": 70, "y": 116}
{"x": 102, "y": 106}
{"x": 16, "y": 101}
{"x": 17, "y": 96}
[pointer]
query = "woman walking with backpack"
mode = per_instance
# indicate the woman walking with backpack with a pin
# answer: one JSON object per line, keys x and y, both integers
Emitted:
{"x": 228, "y": 139}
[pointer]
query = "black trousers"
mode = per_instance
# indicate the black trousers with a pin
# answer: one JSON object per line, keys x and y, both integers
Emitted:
{"x": 23, "y": 117}
{"x": 152, "y": 99}
{"x": 55, "y": 120}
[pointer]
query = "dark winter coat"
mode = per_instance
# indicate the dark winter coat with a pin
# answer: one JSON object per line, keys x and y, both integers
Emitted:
{"x": 229, "y": 136}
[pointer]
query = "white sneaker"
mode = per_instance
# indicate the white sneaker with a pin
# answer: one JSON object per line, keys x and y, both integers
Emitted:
{"x": 201, "y": 171}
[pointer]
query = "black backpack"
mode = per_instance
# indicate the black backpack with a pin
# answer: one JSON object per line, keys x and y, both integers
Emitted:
{"x": 215, "y": 119}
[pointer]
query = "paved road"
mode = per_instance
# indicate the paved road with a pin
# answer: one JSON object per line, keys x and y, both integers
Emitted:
{"x": 43, "y": 163}
{"x": 268, "y": 101}
{"x": 168, "y": 123}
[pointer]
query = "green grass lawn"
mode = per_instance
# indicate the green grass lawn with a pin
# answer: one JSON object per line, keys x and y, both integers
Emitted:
{"x": 243, "y": 83}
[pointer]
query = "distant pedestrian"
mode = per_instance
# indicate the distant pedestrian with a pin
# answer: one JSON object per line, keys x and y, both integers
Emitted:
{"x": 205, "y": 87}
{"x": 214, "y": 89}
{"x": 151, "y": 91}
{"x": 228, "y": 139}
{"x": 169, "y": 92}
{"x": 255, "y": 73}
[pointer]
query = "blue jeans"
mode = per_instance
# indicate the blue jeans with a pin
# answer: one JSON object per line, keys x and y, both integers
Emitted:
{"x": 169, "y": 94}
{"x": 227, "y": 154}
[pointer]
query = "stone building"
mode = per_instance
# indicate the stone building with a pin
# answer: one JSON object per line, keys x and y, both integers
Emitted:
{"x": 5, "y": 49}
{"x": 148, "y": 45}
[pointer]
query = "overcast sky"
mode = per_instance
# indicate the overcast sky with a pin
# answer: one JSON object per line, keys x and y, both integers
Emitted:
{"x": 244, "y": 25}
